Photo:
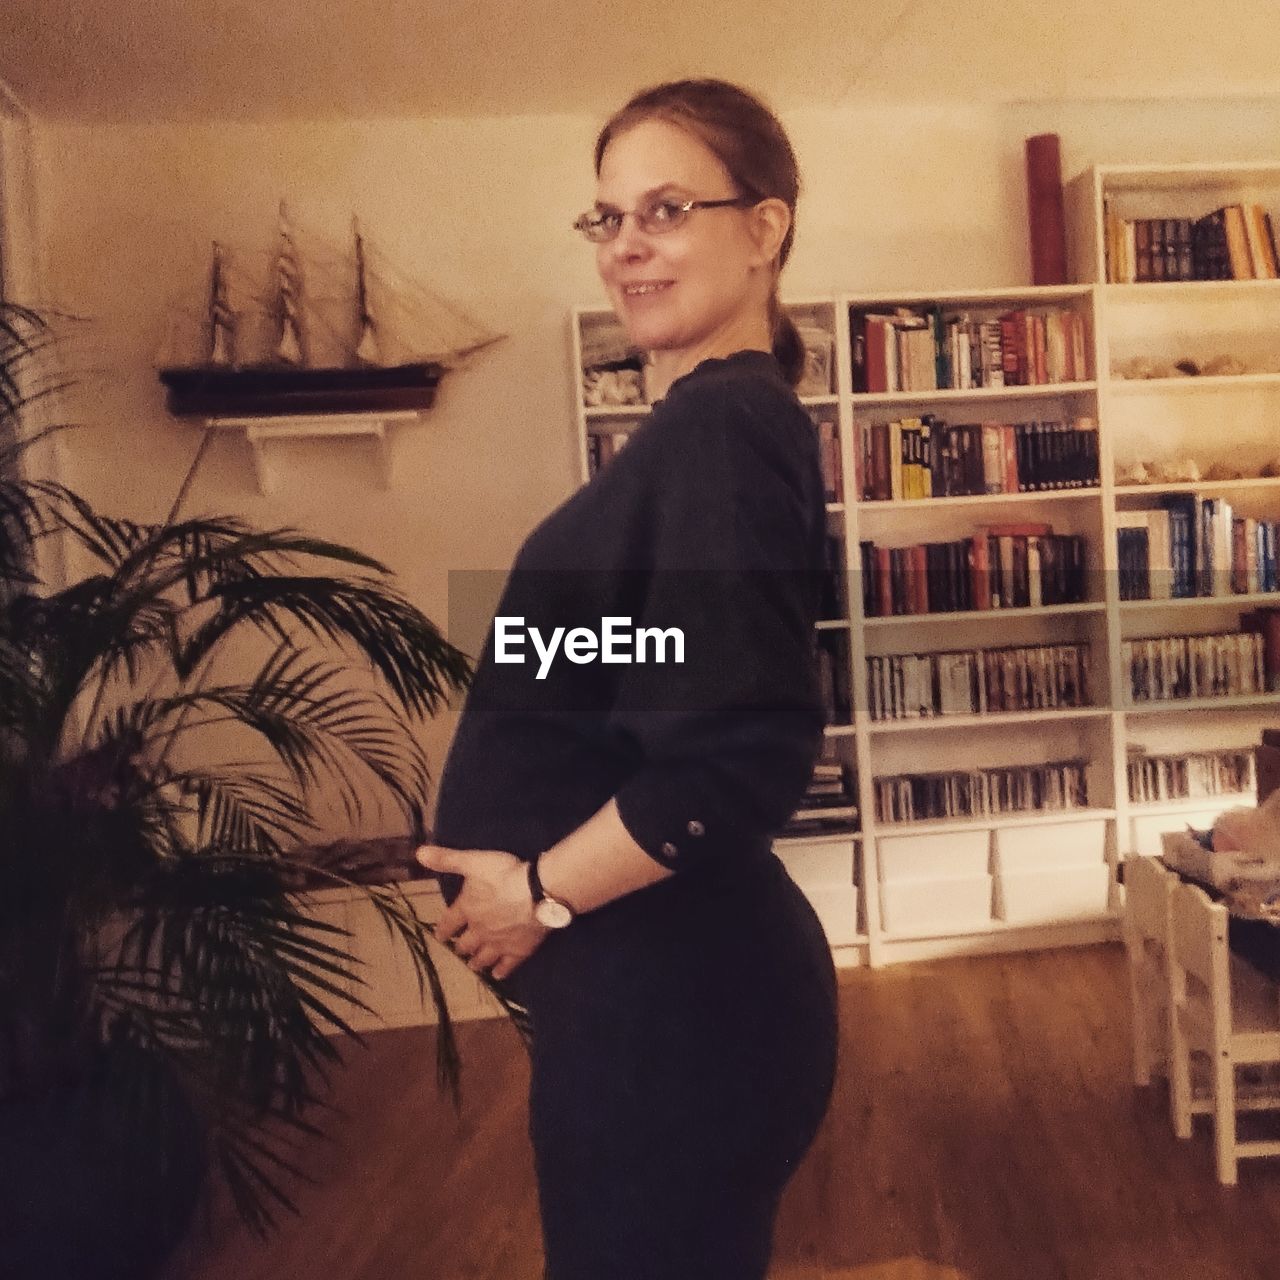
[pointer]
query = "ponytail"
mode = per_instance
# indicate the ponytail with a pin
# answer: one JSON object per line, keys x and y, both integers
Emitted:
{"x": 788, "y": 348}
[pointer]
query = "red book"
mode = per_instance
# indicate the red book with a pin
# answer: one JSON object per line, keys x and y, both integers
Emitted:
{"x": 884, "y": 581}
{"x": 919, "y": 578}
{"x": 1039, "y": 348}
{"x": 829, "y": 449}
{"x": 979, "y": 572}
{"x": 881, "y": 480}
{"x": 879, "y": 335}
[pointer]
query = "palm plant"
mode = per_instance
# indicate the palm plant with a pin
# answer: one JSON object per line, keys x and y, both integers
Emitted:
{"x": 166, "y": 724}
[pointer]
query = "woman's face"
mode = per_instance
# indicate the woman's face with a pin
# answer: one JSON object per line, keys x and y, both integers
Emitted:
{"x": 700, "y": 289}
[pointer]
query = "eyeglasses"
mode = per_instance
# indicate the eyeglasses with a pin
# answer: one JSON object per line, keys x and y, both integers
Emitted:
{"x": 655, "y": 217}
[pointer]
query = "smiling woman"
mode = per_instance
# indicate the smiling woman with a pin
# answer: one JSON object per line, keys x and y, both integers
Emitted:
{"x": 690, "y": 287}
{"x": 606, "y": 828}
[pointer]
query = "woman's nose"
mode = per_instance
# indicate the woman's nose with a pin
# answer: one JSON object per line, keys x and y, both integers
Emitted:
{"x": 630, "y": 243}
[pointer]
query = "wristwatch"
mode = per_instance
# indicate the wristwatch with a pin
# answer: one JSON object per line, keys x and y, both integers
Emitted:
{"x": 551, "y": 913}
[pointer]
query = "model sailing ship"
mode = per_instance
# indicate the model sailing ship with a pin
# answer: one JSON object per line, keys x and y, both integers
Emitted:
{"x": 387, "y": 349}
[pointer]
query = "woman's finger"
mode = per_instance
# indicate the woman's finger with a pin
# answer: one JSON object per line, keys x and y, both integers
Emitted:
{"x": 451, "y": 922}
{"x": 466, "y": 942}
{"x": 484, "y": 958}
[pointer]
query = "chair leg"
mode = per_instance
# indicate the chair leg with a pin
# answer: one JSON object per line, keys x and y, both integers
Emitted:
{"x": 1179, "y": 1077}
{"x": 1141, "y": 1022}
{"x": 1224, "y": 1118}
{"x": 1158, "y": 1038}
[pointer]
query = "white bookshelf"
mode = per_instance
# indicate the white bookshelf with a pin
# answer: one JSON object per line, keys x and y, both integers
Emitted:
{"x": 1080, "y": 847}
{"x": 1220, "y": 422}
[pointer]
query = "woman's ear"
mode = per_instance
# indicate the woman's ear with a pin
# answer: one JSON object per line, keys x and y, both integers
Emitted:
{"x": 769, "y": 222}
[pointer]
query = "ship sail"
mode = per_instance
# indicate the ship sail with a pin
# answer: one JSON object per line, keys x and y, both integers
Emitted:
{"x": 290, "y": 342}
{"x": 368, "y": 350}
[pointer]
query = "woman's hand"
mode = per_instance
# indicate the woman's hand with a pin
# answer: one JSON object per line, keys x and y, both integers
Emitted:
{"x": 491, "y": 922}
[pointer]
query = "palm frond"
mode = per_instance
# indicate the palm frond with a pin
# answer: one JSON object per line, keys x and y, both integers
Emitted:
{"x": 420, "y": 667}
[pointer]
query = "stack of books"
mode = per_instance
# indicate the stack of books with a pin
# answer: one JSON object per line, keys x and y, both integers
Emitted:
{"x": 924, "y": 349}
{"x": 829, "y": 803}
{"x": 978, "y": 682}
{"x": 926, "y": 457}
{"x": 912, "y": 797}
{"x": 1222, "y": 665}
{"x": 1189, "y": 775}
{"x": 1002, "y": 566}
{"x": 1236, "y": 242}
{"x": 1194, "y": 546}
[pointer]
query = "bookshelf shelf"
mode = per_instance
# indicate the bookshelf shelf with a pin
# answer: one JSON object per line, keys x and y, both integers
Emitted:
{"x": 1178, "y": 706}
{"x": 1167, "y": 292}
{"x": 993, "y": 719}
{"x": 615, "y": 412}
{"x": 1190, "y": 803}
{"x": 1224, "y": 177}
{"x": 876, "y": 506}
{"x": 983, "y": 822}
{"x": 1029, "y": 296}
{"x": 833, "y": 624}
{"x": 979, "y": 395}
{"x": 984, "y": 615}
{"x": 817, "y": 839}
{"x": 1202, "y": 602}
{"x": 1246, "y": 483}
{"x": 840, "y": 730}
{"x": 1194, "y": 385}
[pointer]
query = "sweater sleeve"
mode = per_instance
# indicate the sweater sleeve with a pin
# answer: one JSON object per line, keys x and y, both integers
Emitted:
{"x": 726, "y": 739}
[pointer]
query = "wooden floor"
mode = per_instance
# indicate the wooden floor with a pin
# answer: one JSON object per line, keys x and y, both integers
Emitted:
{"x": 983, "y": 1127}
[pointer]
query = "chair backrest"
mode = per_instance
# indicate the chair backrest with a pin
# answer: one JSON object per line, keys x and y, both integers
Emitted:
{"x": 1148, "y": 884}
{"x": 1198, "y": 951}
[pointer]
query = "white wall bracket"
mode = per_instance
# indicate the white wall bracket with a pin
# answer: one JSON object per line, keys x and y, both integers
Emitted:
{"x": 259, "y": 432}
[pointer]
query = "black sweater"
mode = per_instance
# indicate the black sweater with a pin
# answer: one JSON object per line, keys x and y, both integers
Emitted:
{"x": 710, "y": 520}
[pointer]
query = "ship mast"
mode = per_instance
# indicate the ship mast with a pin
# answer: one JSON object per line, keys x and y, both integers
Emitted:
{"x": 290, "y": 340}
{"x": 368, "y": 349}
{"x": 222, "y": 322}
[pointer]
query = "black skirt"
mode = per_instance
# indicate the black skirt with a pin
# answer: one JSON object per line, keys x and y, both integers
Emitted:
{"x": 683, "y": 1056}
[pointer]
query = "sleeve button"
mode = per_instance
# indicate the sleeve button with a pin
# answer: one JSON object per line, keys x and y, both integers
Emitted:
{"x": 695, "y": 828}
{"x": 669, "y": 849}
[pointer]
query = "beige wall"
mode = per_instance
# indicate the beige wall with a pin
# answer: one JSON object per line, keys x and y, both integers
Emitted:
{"x": 897, "y": 197}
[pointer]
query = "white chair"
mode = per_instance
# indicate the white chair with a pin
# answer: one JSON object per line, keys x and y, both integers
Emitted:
{"x": 1148, "y": 886}
{"x": 1221, "y": 1007}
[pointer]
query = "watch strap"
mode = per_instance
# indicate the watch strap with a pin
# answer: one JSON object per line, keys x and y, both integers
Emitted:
{"x": 536, "y": 889}
{"x": 535, "y": 880}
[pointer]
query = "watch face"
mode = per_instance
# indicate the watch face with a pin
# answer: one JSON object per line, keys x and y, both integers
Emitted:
{"x": 552, "y": 913}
